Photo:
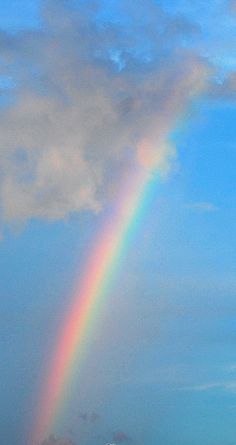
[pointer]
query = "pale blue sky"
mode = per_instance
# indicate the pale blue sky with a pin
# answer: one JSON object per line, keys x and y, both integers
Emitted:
{"x": 161, "y": 364}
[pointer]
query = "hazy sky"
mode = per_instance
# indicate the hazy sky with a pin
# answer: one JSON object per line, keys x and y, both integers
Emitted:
{"x": 90, "y": 90}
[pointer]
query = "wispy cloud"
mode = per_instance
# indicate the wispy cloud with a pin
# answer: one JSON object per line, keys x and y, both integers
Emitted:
{"x": 202, "y": 206}
{"x": 225, "y": 386}
{"x": 231, "y": 368}
{"x": 224, "y": 88}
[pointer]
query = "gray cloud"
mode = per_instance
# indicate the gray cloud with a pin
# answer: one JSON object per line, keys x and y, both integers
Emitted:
{"x": 89, "y": 417}
{"x": 88, "y": 99}
{"x": 232, "y": 6}
{"x": 52, "y": 440}
{"x": 121, "y": 437}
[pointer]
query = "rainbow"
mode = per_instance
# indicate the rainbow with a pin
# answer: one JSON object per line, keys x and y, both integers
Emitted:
{"x": 93, "y": 289}
{"x": 97, "y": 279}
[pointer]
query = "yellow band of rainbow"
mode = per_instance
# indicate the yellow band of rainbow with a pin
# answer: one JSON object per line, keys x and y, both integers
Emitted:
{"x": 84, "y": 307}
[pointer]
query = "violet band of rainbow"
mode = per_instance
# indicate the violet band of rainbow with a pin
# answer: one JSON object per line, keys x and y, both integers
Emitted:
{"x": 87, "y": 301}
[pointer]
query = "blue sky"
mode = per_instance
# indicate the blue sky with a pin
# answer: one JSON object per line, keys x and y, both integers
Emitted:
{"x": 162, "y": 365}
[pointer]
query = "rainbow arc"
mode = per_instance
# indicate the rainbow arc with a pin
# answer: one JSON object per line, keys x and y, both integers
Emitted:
{"x": 88, "y": 300}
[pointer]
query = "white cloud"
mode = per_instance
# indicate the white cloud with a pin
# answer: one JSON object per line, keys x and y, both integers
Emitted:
{"x": 76, "y": 117}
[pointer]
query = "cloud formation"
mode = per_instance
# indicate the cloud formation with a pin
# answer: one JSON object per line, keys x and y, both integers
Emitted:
{"x": 89, "y": 97}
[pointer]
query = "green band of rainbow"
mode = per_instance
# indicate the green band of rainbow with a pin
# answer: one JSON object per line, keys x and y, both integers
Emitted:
{"x": 84, "y": 308}
{"x": 112, "y": 241}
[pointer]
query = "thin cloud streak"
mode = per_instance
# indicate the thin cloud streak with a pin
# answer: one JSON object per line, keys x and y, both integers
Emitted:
{"x": 225, "y": 386}
{"x": 202, "y": 206}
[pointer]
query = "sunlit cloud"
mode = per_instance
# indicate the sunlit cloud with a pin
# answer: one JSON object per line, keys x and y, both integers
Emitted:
{"x": 88, "y": 100}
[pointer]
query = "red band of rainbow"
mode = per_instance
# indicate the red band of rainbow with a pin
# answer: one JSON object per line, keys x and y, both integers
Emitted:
{"x": 86, "y": 302}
